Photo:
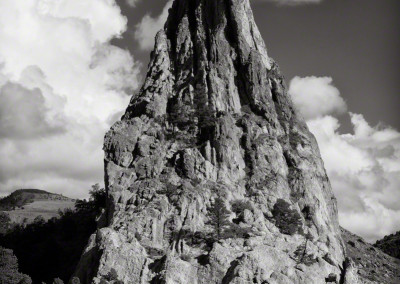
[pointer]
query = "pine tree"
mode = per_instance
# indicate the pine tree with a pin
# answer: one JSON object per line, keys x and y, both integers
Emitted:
{"x": 181, "y": 116}
{"x": 205, "y": 114}
{"x": 219, "y": 218}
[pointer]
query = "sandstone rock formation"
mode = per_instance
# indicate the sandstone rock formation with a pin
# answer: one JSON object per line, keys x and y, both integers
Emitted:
{"x": 212, "y": 177}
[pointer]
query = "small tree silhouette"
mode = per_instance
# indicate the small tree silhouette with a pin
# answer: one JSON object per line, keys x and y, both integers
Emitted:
{"x": 39, "y": 220}
{"x": 219, "y": 218}
{"x": 181, "y": 116}
{"x": 204, "y": 112}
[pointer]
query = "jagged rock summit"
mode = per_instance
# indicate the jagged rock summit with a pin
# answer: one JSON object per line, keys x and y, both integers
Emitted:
{"x": 211, "y": 175}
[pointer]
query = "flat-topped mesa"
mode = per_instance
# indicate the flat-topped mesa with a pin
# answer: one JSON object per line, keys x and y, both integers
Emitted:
{"x": 211, "y": 176}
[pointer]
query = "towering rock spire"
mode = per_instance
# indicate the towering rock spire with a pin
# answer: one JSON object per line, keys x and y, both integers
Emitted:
{"x": 211, "y": 175}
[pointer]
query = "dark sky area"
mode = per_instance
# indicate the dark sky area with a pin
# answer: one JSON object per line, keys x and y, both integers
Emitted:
{"x": 356, "y": 42}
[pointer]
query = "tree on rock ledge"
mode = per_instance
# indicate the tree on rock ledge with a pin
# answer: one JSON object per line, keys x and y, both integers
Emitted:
{"x": 219, "y": 218}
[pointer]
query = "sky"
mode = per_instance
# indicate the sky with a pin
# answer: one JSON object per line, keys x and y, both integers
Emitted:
{"x": 68, "y": 69}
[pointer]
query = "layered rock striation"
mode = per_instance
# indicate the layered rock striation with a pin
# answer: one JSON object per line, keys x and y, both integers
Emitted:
{"x": 211, "y": 175}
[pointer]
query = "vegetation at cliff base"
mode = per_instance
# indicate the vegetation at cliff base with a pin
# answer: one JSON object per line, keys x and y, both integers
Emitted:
{"x": 9, "y": 273}
{"x": 52, "y": 249}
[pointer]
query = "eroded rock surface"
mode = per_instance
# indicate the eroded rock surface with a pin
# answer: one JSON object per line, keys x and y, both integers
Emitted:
{"x": 370, "y": 264}
{"x": 211, "y": 175}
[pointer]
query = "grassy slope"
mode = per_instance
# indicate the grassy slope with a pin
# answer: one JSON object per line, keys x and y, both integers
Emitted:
{"x": 30, "y": 203}
{"x": 45, "y": 208}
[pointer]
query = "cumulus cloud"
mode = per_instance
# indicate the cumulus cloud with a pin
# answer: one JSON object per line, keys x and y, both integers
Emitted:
{"x": 316, "y": 97}
{"x": 23, "y": 113}
{"x": 61, "y": 82}
{"x": 148, "y": 27}
{"x": 363, "y": 166}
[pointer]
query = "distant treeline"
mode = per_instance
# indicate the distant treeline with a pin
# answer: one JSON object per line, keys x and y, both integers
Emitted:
{"x": 52, "y": 249}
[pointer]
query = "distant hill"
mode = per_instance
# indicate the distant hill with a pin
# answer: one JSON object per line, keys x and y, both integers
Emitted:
{"x": 21, "y": 197}
{"x": 24, "y": 205}
{"x": 373, "y": 265}
{"x": 390, "y": 244}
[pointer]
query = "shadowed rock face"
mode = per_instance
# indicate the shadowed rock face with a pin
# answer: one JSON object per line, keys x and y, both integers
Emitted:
{"x": 390, "y": 244}
{"x": 211, "y": 175}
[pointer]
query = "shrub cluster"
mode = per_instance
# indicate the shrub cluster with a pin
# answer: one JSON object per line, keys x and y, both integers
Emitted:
{"x": 288, "y": 220}
{"x": 9, "y": 273}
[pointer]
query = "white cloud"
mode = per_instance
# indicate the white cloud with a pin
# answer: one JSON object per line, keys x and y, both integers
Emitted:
{"x": 61, "y": 81}
{"x": 316, "y": 96}
{"x": 363, "y": 166}
{"x": 148, "y": 27}
{"x": 24, "y": 115}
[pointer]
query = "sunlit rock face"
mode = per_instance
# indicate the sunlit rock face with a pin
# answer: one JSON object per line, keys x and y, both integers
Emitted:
{"x": 211, "y": 175}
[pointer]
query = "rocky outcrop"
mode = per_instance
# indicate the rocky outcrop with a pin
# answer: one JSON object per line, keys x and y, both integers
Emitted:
{"x": 211, "y": 175}
{"x": 390, "y": 244}
{"x": 370, "y": 264}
